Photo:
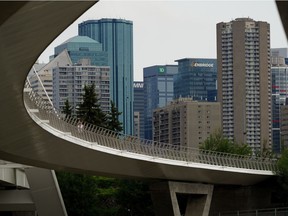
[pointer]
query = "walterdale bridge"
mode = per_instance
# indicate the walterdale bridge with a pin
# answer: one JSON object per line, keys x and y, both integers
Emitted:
{"x": 33, "y": 134}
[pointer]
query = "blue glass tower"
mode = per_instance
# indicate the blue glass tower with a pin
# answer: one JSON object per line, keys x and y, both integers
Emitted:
{"x": 158, "y": 91}
{"x": 279, "y": 71}
{"x": 116, "y": 36}
{"x": 82, "y": 47}
{"x": 196, "y": 79}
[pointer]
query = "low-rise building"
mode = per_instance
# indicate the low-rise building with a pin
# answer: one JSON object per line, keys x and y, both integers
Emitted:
{"x": 185, "y": 122}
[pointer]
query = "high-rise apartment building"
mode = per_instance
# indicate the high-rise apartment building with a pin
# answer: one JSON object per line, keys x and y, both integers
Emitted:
{"x": 42, "y": 82}
{"x": 279, "y": 72}
{"x": 69, "y": 83}
{"x": 138, "y": 106}
{"x": 196, "y": 79}
{"x": 116, "y": 36}
{"x": 185, "y": 122}
{"x": 244, "y": 85}
{"x": 82, "y": 48}
{"x": 158, "y": 91}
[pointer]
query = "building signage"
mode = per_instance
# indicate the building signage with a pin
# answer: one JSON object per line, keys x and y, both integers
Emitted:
{"x": 161, "y": 69}
{"x": 138, "y": 85}
{"x": 201, "y": 64}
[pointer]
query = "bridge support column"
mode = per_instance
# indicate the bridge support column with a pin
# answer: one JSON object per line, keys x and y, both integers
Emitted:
{"x": 45, "y": 192}
{"x": 177, "y": 198}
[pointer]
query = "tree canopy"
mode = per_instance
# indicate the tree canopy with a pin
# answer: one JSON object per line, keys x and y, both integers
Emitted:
{"x": 217, "y": 142}
{"x": 89, "y": 110}
{"x": 112, "y": 119}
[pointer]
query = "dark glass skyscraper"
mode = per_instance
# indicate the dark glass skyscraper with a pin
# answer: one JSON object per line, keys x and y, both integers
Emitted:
{"x": 158, "y": 91}
{"x": 116, "y": 36}
{"x": 139, "y": 109}
{"x": 279, "y": 71}
{"x": 196, "y": 79}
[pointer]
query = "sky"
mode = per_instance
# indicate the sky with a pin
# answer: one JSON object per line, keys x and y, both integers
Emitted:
{"x": 165, "y": 31}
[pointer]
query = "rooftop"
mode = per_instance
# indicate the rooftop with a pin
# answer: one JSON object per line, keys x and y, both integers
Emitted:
{"x": 80, "y": 39}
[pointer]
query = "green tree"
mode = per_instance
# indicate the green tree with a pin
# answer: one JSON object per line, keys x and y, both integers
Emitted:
{"x": 95, "y": 195}
{"x": 218, "y": 143}
{"x": 282, "y": 174}
{"x": 112, "y": 119}
{"x": 134, "y": 198}
{"x": 67, "y": 109}
{"x": 89, "y": 110}
{"x": 79, "y": 193}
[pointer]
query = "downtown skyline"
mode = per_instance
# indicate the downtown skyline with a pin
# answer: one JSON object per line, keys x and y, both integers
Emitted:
{"x": 176, "y": 29}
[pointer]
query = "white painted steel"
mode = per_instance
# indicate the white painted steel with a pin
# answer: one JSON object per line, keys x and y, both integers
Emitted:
{"x": 96, "y": 138}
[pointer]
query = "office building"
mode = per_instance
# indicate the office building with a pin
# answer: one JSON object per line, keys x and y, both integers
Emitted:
{"x": 185, "y": 122}
{"x": 116, "y": 37}
{"x": 138, "y": 106}
{"x": 82, "y": 48}
{"x": 284, "y": 125}
{"x": 196, "y": 79}
{"x": 69, "y": 83}
{"x": 244, "y": 83}
{"x": 279, "y": 71}
{"x": 158, "y": 91}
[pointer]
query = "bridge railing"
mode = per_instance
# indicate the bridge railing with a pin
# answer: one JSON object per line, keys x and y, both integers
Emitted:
{"x": 94, "y": 135}
{"x": 256, "y": 212}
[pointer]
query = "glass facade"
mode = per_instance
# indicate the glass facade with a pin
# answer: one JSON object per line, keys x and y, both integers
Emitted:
{"x": 138, "y": 105}
{"x": 196, "y": 79}
{"x": 158, "y": 91}
{"x": 82, "y": 47}
{"x": 279, "y": 95}
{"x": 116, "y": 36}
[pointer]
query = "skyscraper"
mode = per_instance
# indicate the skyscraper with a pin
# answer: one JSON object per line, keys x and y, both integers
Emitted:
{"x": 116, "y": 36}
{"x": 243, "y": 56}
{"x": 138, "y": 106}
{"x": 196, "y": 79}
{"x": 279, "y": 72}
{"x": 158, "y": 91}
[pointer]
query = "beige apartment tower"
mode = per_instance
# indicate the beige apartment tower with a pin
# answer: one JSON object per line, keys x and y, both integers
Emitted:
{"x": 244, "y": 83}
{"x": 185, "y": 122}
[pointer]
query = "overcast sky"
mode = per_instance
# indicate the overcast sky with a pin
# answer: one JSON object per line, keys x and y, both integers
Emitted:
{"x": 164, "y": 31}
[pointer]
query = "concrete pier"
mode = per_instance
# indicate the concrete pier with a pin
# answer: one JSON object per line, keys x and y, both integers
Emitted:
{"x": 177, "y": 198}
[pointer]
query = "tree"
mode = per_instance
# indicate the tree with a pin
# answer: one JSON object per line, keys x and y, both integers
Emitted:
{"x": 67, "y": 109}
{"x": 89, "y": 110}
{"x": 112, "y": 119}
{"x": 95, "y": 195}
{"x": 217, "y": 142}
{"x": 282, "y": 173}
{"x": 79, "y": 193}
{"x": 134, "y": 198}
